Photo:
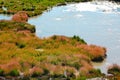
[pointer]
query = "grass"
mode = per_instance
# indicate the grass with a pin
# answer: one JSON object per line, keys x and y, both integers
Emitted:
{"x": 13, "y": 73}
{"x": 15, "y": 26}
{"x": 22, "y": 51}
{"x": 32, "y": 7}
{"x": 114, "y": 69}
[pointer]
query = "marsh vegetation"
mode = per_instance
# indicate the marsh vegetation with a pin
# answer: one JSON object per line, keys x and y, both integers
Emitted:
{"x": 56, "y": 56}
{"x": 24, "y": 56}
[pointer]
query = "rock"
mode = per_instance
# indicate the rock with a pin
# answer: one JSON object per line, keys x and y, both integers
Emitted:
{"x": 98, "y": 78}
{"x": 61, "y": 4}
{"x": 20, "y": 16}
{"x": 110, "y": 75}
{"x": 2, "y": 78}
{"x": 99, "y": 58}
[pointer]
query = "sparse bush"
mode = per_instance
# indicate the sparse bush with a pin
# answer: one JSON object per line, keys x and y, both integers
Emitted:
{"x": 77, "y": 38}
{"x": 70, "y": 72}
{"x": 114, "y": 69}
{"x": 16, "y": 26}
{"x": 80, "y": 78}
{"x": 76, "y": 65}
{"x": 54, "y": 37}
{"x": 20, "y": 45}
{"x": 14, "y": 72}
{"x": 95, "y": 72}
{"x": 1, "y": 2}
{"x": 46, "y": 71}
{"x": 1, "y": 72}
{"x": 36, "y": 71}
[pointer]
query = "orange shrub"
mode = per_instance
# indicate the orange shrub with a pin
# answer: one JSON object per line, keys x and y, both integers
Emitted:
{"x": 13, "y": 64}
{"x": 36, "y": 71}
{"x": 20, "y": 16}
{"x": 85, "y": 67}
{"x": 93, "y": 49}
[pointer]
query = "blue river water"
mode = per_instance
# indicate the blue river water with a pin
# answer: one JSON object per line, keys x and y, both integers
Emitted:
{"x": 96, "y": 22}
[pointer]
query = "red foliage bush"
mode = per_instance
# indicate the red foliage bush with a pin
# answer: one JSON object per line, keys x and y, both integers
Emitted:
{"x": 13, "y": 64}
{"x": 95, "y": 51}
{"x": 85, "y": 67}
{"x": 21, "y": 16}
{"x": 36, "y": 71}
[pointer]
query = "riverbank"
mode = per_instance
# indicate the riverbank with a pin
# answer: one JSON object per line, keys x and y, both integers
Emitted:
{"x": 32, "y": 7}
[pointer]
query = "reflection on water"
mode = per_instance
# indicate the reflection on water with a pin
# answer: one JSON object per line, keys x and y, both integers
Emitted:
{"x": 99, "y": 6}
{"x": 118, "y": 9}
{"x": 100, "y": 65}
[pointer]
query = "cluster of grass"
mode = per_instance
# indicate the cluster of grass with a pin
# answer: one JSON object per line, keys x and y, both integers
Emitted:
{"x": 114, "y": 71}
{"x": 32, "y": 7}
{"x": 21, "y": 52}
{"x": 15, "y": 26}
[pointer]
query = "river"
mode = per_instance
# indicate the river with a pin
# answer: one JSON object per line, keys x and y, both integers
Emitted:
{"x": 97, "y": 22}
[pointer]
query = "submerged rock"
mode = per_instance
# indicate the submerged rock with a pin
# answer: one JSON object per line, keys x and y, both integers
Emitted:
{"x": 61, "y": 4}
